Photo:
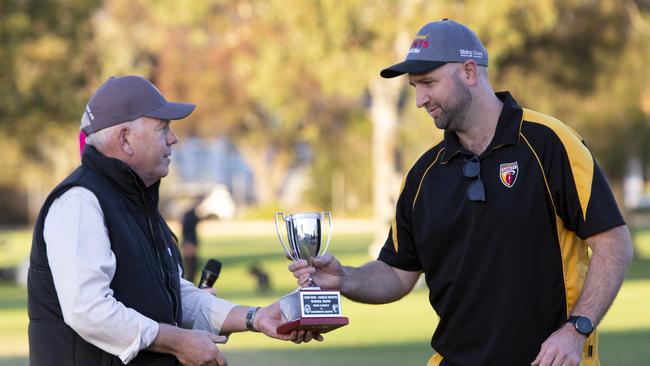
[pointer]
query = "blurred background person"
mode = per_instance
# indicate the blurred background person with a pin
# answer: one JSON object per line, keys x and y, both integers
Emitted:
{"x": 190, "y": 246}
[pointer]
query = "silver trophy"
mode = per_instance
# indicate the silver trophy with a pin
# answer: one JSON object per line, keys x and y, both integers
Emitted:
{"x": 304, "y": 234}
{"x": 310, "y": 308}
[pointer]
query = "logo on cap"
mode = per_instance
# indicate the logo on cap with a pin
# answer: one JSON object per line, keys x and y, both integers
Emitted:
{"x": 508, "y": 173}
{"x": 471, "y": 53}
{"x": 419, "y": 43}
{"x": 90, "y": 114}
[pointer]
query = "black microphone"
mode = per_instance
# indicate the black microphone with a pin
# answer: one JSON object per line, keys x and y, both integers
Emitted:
{"x": 210, "y": 273}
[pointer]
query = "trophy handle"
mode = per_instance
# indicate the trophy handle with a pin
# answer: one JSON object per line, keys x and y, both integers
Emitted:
{"x": 329, "y": 232}
{"x": 277, "y": 230}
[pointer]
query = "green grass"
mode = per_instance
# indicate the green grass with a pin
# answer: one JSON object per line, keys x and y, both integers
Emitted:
{"x": 377, "y": 335}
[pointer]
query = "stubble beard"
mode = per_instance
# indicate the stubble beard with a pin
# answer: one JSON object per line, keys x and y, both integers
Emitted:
{"x": 454, "y": 116}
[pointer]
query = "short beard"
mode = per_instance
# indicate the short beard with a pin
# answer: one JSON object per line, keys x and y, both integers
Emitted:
{"x": 454, "y": 115}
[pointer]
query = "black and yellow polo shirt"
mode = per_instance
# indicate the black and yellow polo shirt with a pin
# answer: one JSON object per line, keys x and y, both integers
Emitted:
{"x": 502, "y": 274}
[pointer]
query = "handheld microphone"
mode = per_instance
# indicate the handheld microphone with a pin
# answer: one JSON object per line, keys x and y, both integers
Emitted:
{"x": 210, "y": 273}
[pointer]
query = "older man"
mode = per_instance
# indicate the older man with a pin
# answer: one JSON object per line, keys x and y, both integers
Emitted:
{"x": 104, "y": 281}
{"x": 499, "y": 216}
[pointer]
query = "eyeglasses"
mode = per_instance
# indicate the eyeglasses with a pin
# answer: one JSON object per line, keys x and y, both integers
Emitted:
{"x": 476, "y": 189}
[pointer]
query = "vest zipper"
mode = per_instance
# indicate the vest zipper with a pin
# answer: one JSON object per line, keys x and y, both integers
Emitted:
{"x": 161, "y": 263}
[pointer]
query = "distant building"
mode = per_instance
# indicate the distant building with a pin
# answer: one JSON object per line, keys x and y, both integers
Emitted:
{"x": 203, "y": 167}
{"x": 211, "y": 169}
{"x": 213, "y": 161}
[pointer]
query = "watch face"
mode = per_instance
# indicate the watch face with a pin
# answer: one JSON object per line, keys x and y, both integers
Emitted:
{"x": 584, "y": 326}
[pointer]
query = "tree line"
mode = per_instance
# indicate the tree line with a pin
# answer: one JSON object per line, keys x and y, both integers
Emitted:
{"x": 272, "y": 75}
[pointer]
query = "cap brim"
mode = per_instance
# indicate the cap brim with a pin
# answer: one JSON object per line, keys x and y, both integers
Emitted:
{"x": 410, "y": 67}
{"x": 172, "y": 110}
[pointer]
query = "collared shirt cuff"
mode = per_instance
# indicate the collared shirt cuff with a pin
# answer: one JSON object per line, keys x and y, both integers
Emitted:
{"x": 148, "y": 332}
{"x": 212, "y": 317}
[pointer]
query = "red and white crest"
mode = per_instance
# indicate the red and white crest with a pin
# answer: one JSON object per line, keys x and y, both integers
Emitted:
{"x": 508, "y": 173}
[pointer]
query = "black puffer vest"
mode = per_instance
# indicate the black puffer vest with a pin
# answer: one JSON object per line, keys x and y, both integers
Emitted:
{"x": 146, "y": 277}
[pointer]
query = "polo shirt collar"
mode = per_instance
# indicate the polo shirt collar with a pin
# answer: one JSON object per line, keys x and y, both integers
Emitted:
{"x": 507, "y": 130}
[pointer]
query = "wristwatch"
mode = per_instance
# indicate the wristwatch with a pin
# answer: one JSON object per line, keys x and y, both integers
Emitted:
{"x": 250, "y": 316}
{"x": 582, "y": 324}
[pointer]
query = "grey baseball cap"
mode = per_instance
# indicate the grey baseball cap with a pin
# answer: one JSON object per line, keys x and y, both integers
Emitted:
{"x": 436, "y": 44}
{"x": 127, "y": 98}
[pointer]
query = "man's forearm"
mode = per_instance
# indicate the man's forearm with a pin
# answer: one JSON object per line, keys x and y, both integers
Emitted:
{"x": 612, "y": 253}
{"x": 376, "y": 283}
{"x": 235, "y": 321}
{"x": 167, "y": 339}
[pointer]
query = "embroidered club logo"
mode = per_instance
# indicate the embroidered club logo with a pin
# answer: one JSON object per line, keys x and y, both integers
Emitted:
{"x": 508, "y": 173}
{"x": 419, "y": 43}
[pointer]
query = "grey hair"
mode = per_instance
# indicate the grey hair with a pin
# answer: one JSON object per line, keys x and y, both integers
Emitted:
{"x": 101, "y": 138}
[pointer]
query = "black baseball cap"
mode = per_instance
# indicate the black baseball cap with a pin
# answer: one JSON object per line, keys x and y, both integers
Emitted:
{"x": 436, "y": 44}
{"x": 127, "y": 98}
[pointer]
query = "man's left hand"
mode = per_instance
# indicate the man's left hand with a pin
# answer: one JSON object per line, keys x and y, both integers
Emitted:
{"x": 269, "y": 318}
{"x": 562, "y": 348}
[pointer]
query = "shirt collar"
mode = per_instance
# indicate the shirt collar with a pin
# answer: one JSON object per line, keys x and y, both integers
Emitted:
{"x": 121, "y": 176}
{"x": 507, "y": 130}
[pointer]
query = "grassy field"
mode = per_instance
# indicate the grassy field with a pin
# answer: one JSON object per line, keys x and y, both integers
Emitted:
{"x": 377, "y": 335}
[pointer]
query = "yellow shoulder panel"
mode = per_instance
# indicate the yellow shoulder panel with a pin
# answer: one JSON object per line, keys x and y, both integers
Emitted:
{"x": 580, "y": 159}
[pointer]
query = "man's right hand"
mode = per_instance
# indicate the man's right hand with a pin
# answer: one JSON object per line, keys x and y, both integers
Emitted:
{"x": 201, "y": 349}
{"x": 326, "y": 272}
{"x": 373, "y": 283}
{"x": 191, "y": 347}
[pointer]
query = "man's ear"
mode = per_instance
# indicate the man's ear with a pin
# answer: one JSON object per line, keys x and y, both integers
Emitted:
{"x": 123, "y": 136}
{"x": 469, "y": 72}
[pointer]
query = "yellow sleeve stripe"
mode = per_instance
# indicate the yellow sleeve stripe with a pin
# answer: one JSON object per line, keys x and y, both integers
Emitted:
{"x": 394, "y": 226}
{"x": 435, "y": 360}
{"x": 580, "y": 160}
{"x": 575, "y": 260}
{"x": 395, "y": 245}
{"x": 417, "y": 193}
{"x": 541, "y": 168}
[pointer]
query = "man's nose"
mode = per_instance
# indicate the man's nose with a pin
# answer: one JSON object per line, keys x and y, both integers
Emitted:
{"x": 172, "y": 138}
{"x": 421, "y": 98}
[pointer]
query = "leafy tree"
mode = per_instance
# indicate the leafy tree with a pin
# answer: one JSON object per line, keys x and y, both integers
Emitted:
{"x": 45, "y": 65}
{"x": 274, "y": 75}
{"x": 43, "y": 68}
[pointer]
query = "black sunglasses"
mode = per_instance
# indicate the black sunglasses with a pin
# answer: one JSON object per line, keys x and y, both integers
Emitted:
{"x": 476, "y": 189}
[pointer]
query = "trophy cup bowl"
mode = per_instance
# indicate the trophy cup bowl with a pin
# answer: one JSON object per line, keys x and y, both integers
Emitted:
{"x": 310, "y": 308}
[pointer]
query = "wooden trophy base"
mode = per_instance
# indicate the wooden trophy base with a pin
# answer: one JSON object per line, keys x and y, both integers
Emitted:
{"x": 318, "y": 325}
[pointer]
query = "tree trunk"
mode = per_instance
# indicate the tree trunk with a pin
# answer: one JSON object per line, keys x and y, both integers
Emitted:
{"x": 384, "y": 111}
{"x": 269, "y": 170}
{"x": 386, "y": 177}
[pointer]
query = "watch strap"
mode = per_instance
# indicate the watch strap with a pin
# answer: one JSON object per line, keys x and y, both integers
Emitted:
{"x": 573, "y": 319}
{"x": 250, "y": 317}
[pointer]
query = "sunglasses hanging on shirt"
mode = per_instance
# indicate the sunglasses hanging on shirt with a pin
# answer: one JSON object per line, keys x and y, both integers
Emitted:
{"x": 476, "y": 189}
